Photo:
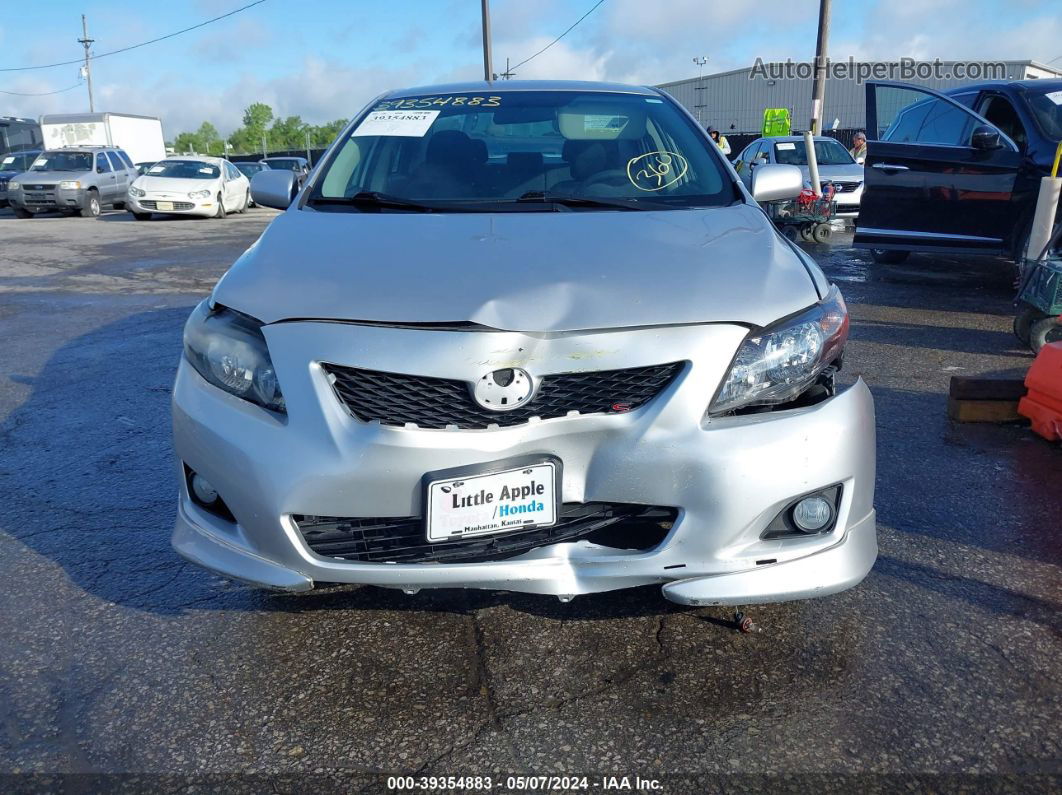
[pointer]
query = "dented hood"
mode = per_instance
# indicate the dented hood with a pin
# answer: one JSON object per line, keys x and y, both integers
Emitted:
{"x": 534, "y": 271}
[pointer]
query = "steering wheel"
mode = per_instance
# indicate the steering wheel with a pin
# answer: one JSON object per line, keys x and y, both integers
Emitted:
{"x": 606, "y": 176}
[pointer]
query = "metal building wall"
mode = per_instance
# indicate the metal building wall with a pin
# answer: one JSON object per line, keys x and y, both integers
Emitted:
{"x": 735, "y": 104}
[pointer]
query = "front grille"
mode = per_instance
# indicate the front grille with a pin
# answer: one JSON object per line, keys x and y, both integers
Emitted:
{"x": 38, "y": 195}
{"x": 151, "y": 204}
{"x": 397, "y": 399}
{"x": 403, "y": 540}
{"x": 846, "y": 187}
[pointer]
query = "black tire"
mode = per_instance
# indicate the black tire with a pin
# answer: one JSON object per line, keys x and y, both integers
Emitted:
{"x": 20, "y": 213}
{"x": 805, "y": 232}
{"x": 791, "y": 232}
{"x": 884, "y": 257}
{"x": 119, "y": 205}
{"x": 822, "y": 233}
{"x": 92, "y": 205}
{"x": 142, "y": 216}
{"x": 1045, "y": 330}
{"x": 221, "y": 208}
{"x": 246, "y": 203}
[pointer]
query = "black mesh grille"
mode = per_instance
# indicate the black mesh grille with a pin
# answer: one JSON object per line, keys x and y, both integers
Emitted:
{"x": 403, "y": 540}
{"x": 396, "y": 399}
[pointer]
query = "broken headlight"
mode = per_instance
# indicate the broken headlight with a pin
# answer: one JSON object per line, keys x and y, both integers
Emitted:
{"x": 228, "y": 350}
{"x": 780, "y": 362}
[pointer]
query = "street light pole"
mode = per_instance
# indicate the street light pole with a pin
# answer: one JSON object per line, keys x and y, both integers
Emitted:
{"x": 488, "y": 67}
{"x": 87, "y": 42}
{"x": 819, "y": 92}
{"x": 700, "y": 60}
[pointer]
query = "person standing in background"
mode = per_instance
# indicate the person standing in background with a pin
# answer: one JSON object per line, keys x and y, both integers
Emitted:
{"x": 719, "y": 139}
{"x": 859, "y": 147}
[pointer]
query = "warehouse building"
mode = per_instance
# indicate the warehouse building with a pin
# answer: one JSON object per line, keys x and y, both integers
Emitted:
{"x": 734, "y": 101}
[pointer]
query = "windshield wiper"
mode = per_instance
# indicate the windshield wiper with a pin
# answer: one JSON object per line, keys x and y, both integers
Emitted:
{"x": 538, "y": 196}
{"x": 372, "y": 199}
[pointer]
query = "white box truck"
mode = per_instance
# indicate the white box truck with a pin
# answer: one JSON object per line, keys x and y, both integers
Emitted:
{"x": 140, "y": 136}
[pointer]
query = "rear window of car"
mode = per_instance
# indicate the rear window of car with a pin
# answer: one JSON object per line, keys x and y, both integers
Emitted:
{"x": 125, "y": 158}
{"x": 827, "y": 153}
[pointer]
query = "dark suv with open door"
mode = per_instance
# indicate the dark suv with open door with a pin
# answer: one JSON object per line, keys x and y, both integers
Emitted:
{"x": 956, "y": 172}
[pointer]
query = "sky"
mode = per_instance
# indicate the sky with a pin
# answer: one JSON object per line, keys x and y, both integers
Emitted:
{"x": 324, "y": 59}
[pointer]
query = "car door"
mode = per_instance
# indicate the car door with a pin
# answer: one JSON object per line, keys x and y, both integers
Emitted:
{"x": 105, "y": 179}
{"x": 234, "y": 185}
{"x": 751, "y": 157}
{"x": 121, "y": 176}
{"x": 937, "y": 177}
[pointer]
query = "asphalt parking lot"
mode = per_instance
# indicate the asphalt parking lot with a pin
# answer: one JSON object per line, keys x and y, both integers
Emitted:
{"x": 117, "y": 657}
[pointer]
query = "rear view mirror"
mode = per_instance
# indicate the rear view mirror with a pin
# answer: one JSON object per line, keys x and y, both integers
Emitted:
{"x": 771, "y": 183}
{"x": 274, "y": 188}
{"x": 985, "y": 137}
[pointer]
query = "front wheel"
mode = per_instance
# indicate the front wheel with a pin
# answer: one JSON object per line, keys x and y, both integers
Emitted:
{"x": 92, "y": 205}
{"x": 889, "y": 257}
{"x": 790, "y": 232}
{"x": 1045, "y": 330}
{"x": 20, "y": 213}
{"x": 221, "y": 208}
{"x": 821, "y": 233}
{"x": 246, "y": 203}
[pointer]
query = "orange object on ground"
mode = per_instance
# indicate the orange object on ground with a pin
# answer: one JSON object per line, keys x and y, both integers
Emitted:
{"x": 1043, "y": 404}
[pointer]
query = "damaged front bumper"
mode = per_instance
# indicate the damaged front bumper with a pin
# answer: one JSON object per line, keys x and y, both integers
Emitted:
{"x": 726, "y": 479}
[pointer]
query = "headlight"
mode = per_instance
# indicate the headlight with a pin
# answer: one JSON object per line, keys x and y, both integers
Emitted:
{"x": 229, "y": 351}
{"x": 70, "y": 184}
{"x": 12, "y": 186}
{"x": 135, "y": 191}
{"x": 198, "y": 194}
{"x": 778, "y": 363}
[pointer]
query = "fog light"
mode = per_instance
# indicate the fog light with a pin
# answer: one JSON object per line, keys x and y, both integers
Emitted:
{"x": 812, "y": 514}
{"x": 203, "y": 491}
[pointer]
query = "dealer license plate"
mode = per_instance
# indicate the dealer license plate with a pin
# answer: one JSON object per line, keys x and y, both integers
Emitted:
{"x": 492, "y": 503}
{"x": 164, "y": 205}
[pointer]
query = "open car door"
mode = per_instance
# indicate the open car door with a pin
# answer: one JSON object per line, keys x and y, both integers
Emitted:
{"x": 937, "y": 177}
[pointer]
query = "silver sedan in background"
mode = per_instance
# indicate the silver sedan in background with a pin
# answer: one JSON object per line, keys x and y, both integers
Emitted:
{"x": 532, "y": 337}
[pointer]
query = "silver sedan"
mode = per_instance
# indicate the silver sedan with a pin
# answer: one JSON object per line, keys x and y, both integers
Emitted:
{"x": 536, "y": 338}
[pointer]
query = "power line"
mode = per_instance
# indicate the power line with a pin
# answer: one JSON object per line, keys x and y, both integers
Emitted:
{"x": 43, "y": 93}
{"x": 132, "y": 46}
{"x": 565, "y": 33}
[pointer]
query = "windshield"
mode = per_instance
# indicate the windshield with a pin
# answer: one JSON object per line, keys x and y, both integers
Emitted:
{"x": 1046, "y": 107}
{"x": 284, "y": 163}
{"x": 249, "y": 168}
{"x": 63, "y": 161}
{"x": 508, "y": 151}
{"x": 17, "y": 162}
{"x": 828, "y": 153}
{"x": 184, "y": 169}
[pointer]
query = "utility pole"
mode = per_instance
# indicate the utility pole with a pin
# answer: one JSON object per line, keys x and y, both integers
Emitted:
{"x": 307, "y": 146}
{"x": 85, "y": 40}
{"x": 507, "y": 74}
{"x": 263, "y": 144}
{"x": 488, "y": 67}
{"x": 700, "y": 60}
{"x": 819, "y": 92}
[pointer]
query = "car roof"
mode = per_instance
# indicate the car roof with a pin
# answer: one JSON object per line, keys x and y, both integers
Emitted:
{"x": 214, "y": 161}
{"x": 1053, "y": 84}
{"x": 524, "y": 85}
{"x": 796, "y": 138}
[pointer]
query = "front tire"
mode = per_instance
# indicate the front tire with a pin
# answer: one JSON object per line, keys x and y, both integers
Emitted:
{"x": 246, "y": 203}
{"x": 889, "y": 257}
{"x": 92, "y": 205}
{"x": 821, "y": 233}
{"x": 221, "y": 208}
{"x": 20, "y": 213}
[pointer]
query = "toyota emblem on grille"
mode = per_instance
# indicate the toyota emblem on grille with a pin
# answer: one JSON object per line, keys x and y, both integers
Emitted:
{"x": 504, "y": 390}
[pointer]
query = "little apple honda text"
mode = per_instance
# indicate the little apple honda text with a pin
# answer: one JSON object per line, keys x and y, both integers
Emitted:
{"x": 536, "y": 337}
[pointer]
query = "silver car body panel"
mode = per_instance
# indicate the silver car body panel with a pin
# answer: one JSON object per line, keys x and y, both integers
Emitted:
{"x": 588, "y": 270}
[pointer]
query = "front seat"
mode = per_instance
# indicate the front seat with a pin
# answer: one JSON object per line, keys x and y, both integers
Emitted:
{"x": 453, "y": 166}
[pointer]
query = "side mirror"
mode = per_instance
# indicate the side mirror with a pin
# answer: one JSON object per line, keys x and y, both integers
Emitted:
{"x": 985, "y": 137}
{"x": 272, "y": 188}
{"x": 771, "y": 183}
